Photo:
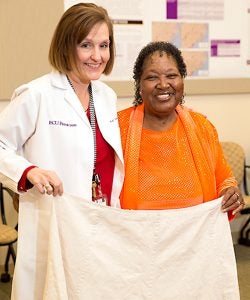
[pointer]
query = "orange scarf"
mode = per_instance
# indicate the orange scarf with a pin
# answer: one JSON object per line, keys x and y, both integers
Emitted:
{"x": 204, "y": 158}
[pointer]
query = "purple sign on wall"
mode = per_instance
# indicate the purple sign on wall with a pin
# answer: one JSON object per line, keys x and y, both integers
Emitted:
{"x": 171, "y": 9}
{"x": 225, "y": 48}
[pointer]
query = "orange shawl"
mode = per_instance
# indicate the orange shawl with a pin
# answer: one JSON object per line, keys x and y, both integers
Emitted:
{"x": 210, "y": 167}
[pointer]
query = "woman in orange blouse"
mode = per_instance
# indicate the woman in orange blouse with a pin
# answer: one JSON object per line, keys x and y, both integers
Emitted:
{"x": 173, "y": 157}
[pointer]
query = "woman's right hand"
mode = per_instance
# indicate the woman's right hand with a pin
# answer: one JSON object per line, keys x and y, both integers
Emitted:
{"x": 45, "y": 181}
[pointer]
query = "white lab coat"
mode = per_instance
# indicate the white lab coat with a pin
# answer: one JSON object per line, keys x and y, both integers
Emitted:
{"x": 46, "y": 124}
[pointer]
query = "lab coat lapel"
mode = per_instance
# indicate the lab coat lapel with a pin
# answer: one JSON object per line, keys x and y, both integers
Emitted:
{"x": 60, "y": 81}
{"x": 74, "y": 102}
{"x": 106, "y": 116}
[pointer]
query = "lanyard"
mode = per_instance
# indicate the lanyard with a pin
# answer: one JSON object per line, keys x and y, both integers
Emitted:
{"x": 92, "y": 116}
{"x": 92, "y": 120}
{"x": 97, "y": 195}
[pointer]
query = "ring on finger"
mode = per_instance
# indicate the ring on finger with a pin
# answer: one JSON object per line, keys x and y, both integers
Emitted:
{"x": 48, "y": 187}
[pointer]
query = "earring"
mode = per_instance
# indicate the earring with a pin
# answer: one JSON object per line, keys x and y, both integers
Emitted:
{"x": 182, "y": 101}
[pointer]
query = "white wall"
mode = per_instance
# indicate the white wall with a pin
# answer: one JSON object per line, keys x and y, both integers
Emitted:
{"x": 3, "y": 104}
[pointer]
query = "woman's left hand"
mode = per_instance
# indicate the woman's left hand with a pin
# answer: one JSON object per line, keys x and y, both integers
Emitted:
{"x": 232, "y": 200}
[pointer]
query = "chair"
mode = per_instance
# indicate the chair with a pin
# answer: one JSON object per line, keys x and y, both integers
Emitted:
{"x": 235, "y": 156}
{"x": 8, "y": 234}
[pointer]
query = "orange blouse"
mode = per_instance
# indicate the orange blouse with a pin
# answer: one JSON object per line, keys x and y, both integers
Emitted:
{"x": 180, "y": 167}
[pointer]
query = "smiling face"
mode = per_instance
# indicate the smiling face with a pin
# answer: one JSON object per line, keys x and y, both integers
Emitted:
{"x": 93, "y": 52}
{"x": 161, "y": 84}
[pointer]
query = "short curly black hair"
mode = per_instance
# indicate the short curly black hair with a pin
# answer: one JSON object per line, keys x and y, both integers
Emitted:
{"x": 147, "y": 51}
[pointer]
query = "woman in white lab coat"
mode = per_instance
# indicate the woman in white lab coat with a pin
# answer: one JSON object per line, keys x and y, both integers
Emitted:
{"x": 60, "y": 135}
{"x": 46, "y": 138}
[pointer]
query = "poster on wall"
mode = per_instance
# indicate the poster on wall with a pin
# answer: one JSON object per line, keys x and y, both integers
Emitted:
{"x": 212, "y": 45}
{"x": 195, "y": 9}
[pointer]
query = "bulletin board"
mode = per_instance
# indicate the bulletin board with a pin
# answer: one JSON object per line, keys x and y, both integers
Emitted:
{"x": 213, "y": 35}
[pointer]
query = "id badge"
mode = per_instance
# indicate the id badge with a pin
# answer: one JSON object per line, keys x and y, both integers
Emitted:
{"x": 97, "y": 195}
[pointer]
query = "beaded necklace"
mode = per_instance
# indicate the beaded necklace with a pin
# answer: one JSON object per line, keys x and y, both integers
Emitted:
{"x": 70, "y": 83}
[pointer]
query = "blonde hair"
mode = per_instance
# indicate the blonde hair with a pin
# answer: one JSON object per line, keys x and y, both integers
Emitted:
{"x": 74, "y": 25}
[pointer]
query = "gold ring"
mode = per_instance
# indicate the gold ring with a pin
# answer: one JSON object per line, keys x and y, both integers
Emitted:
{"x": 238, "y": 196}
{"x": 48, "y": 188}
